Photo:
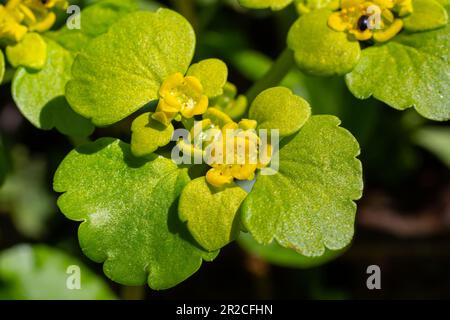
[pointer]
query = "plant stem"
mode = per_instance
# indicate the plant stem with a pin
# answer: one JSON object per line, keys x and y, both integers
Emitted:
{"x": 274, "y": 76}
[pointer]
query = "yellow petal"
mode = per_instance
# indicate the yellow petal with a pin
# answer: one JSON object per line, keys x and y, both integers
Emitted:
{"x": 362, "y": 35}
{"x": 165, "y": 107}
{"x": 45, "y": 24}
{"x": 194, "y": 84}
{"x": 243, "y": 171}
{"x": 336, "y": 22}
{"x": 217, "y": 178}
{"x": 247, "y": 124}
{"x": 170, "y": 83}
{"x": 388, "y": 33}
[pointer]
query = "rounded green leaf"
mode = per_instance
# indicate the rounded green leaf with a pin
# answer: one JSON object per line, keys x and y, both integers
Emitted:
{"x": 263, "y": 4}
{"x": 279, "y": 108}
{"x": 211, "y": 213}
{"x": 308, "y": 204}
{"x": 128, "y": 207}
{"x": 319, "y": 50}
{"x": 122, "y": 70}
{"x": 148, "y": 135}
{"x": 2, "y": 66}
{"x": 95, "y": 20}
{"x": 38, "y": 272}
{"x": 427, "y": 15}
{"x": 411, "y": 70}
{"x": 285, "y": 257}
{"x": 212, "y": 73}
{"x": 40, "y": 95}
{"x": 31, "y": 52}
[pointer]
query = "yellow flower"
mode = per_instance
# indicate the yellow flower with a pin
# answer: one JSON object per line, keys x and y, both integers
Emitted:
{"x": 375, "y": 19}
{"x": 10, "y": 29}
{"x": 179, "y": 94}
{"x": 18, "y": 17}
{"x": 235, "y": 153}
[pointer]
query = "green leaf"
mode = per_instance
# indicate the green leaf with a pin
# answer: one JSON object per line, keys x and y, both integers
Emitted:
{"x": 122, "y": 70}
{"x": 31, "y": 52}
{"x": 436, "y": 140}
{"x": 319, "y": 50}
{"x": 279, "y": 108}
{"x": 128, "y": 207}
{"x": 411, "y": 70}
{"x": 96, "y": 19}
{"x": 40, "y": 95}
{"x": 427, "y": 15}
{"x": 230, "y": 103}
{"x": 212, "y": 73}
{"x": 210, "y": 213}
{"x": 308, "y": 205}
{"x": 148, "y": 135}
{"x": 38, "y": 272}
{"x": 263, "y": 4}
{"x": 284, "y": 257}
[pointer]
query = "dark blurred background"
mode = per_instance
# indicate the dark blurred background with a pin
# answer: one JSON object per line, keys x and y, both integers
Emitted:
{"x": 403, "y": 219}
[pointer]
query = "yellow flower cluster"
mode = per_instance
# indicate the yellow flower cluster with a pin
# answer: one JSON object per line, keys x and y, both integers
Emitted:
{"x": 180, "y": 95}
{"x": 234, "y": 149}
{"x": 17, "y": 17}
{"x": 380, "y": 20}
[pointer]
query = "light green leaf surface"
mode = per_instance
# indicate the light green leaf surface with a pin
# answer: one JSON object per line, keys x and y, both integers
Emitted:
{"x": 95, "y": 20}
{"x": 263, "y": 4}
{"x": 210, "y": 213}
{"x": 279, "y": 108}
{"x": 128, "y": 207}
{"x": 31, "y": 52}
{"x": 2, "y": 66}
{"x": 148, "y": 135}
{"x": 436, "y": 140}
{"x": 308, "y": 205}
{"x": 284, "y": 257}
{"x": 411, "y": 70}
{"x": 38, "y": 272}
{"x": 427, "y": 15}
{"x": 40, "y": 95}
{"x": 122, "y": 70}
{"x": 319, "y": 50}
{"x": 212, "y": 73}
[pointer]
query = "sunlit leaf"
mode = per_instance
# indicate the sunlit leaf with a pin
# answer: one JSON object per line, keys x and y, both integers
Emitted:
{"x": 427, "y": 15}
{"x": 308, "y": 205}
{"x": 318, "y": 49}
{"x": 40, "y": 95}
{"x": 31, "y": 52}
{"x": 278, "y": 108}
{"x": 212, "y": 73}
{"x": 210, "y": 213}
{"x": 122, "y": 70}
{"x": 148, "y": 135}
{"x": 128, "y": 207}
{"x": 411, "y": 70}
{"x": 262, "y": 4}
